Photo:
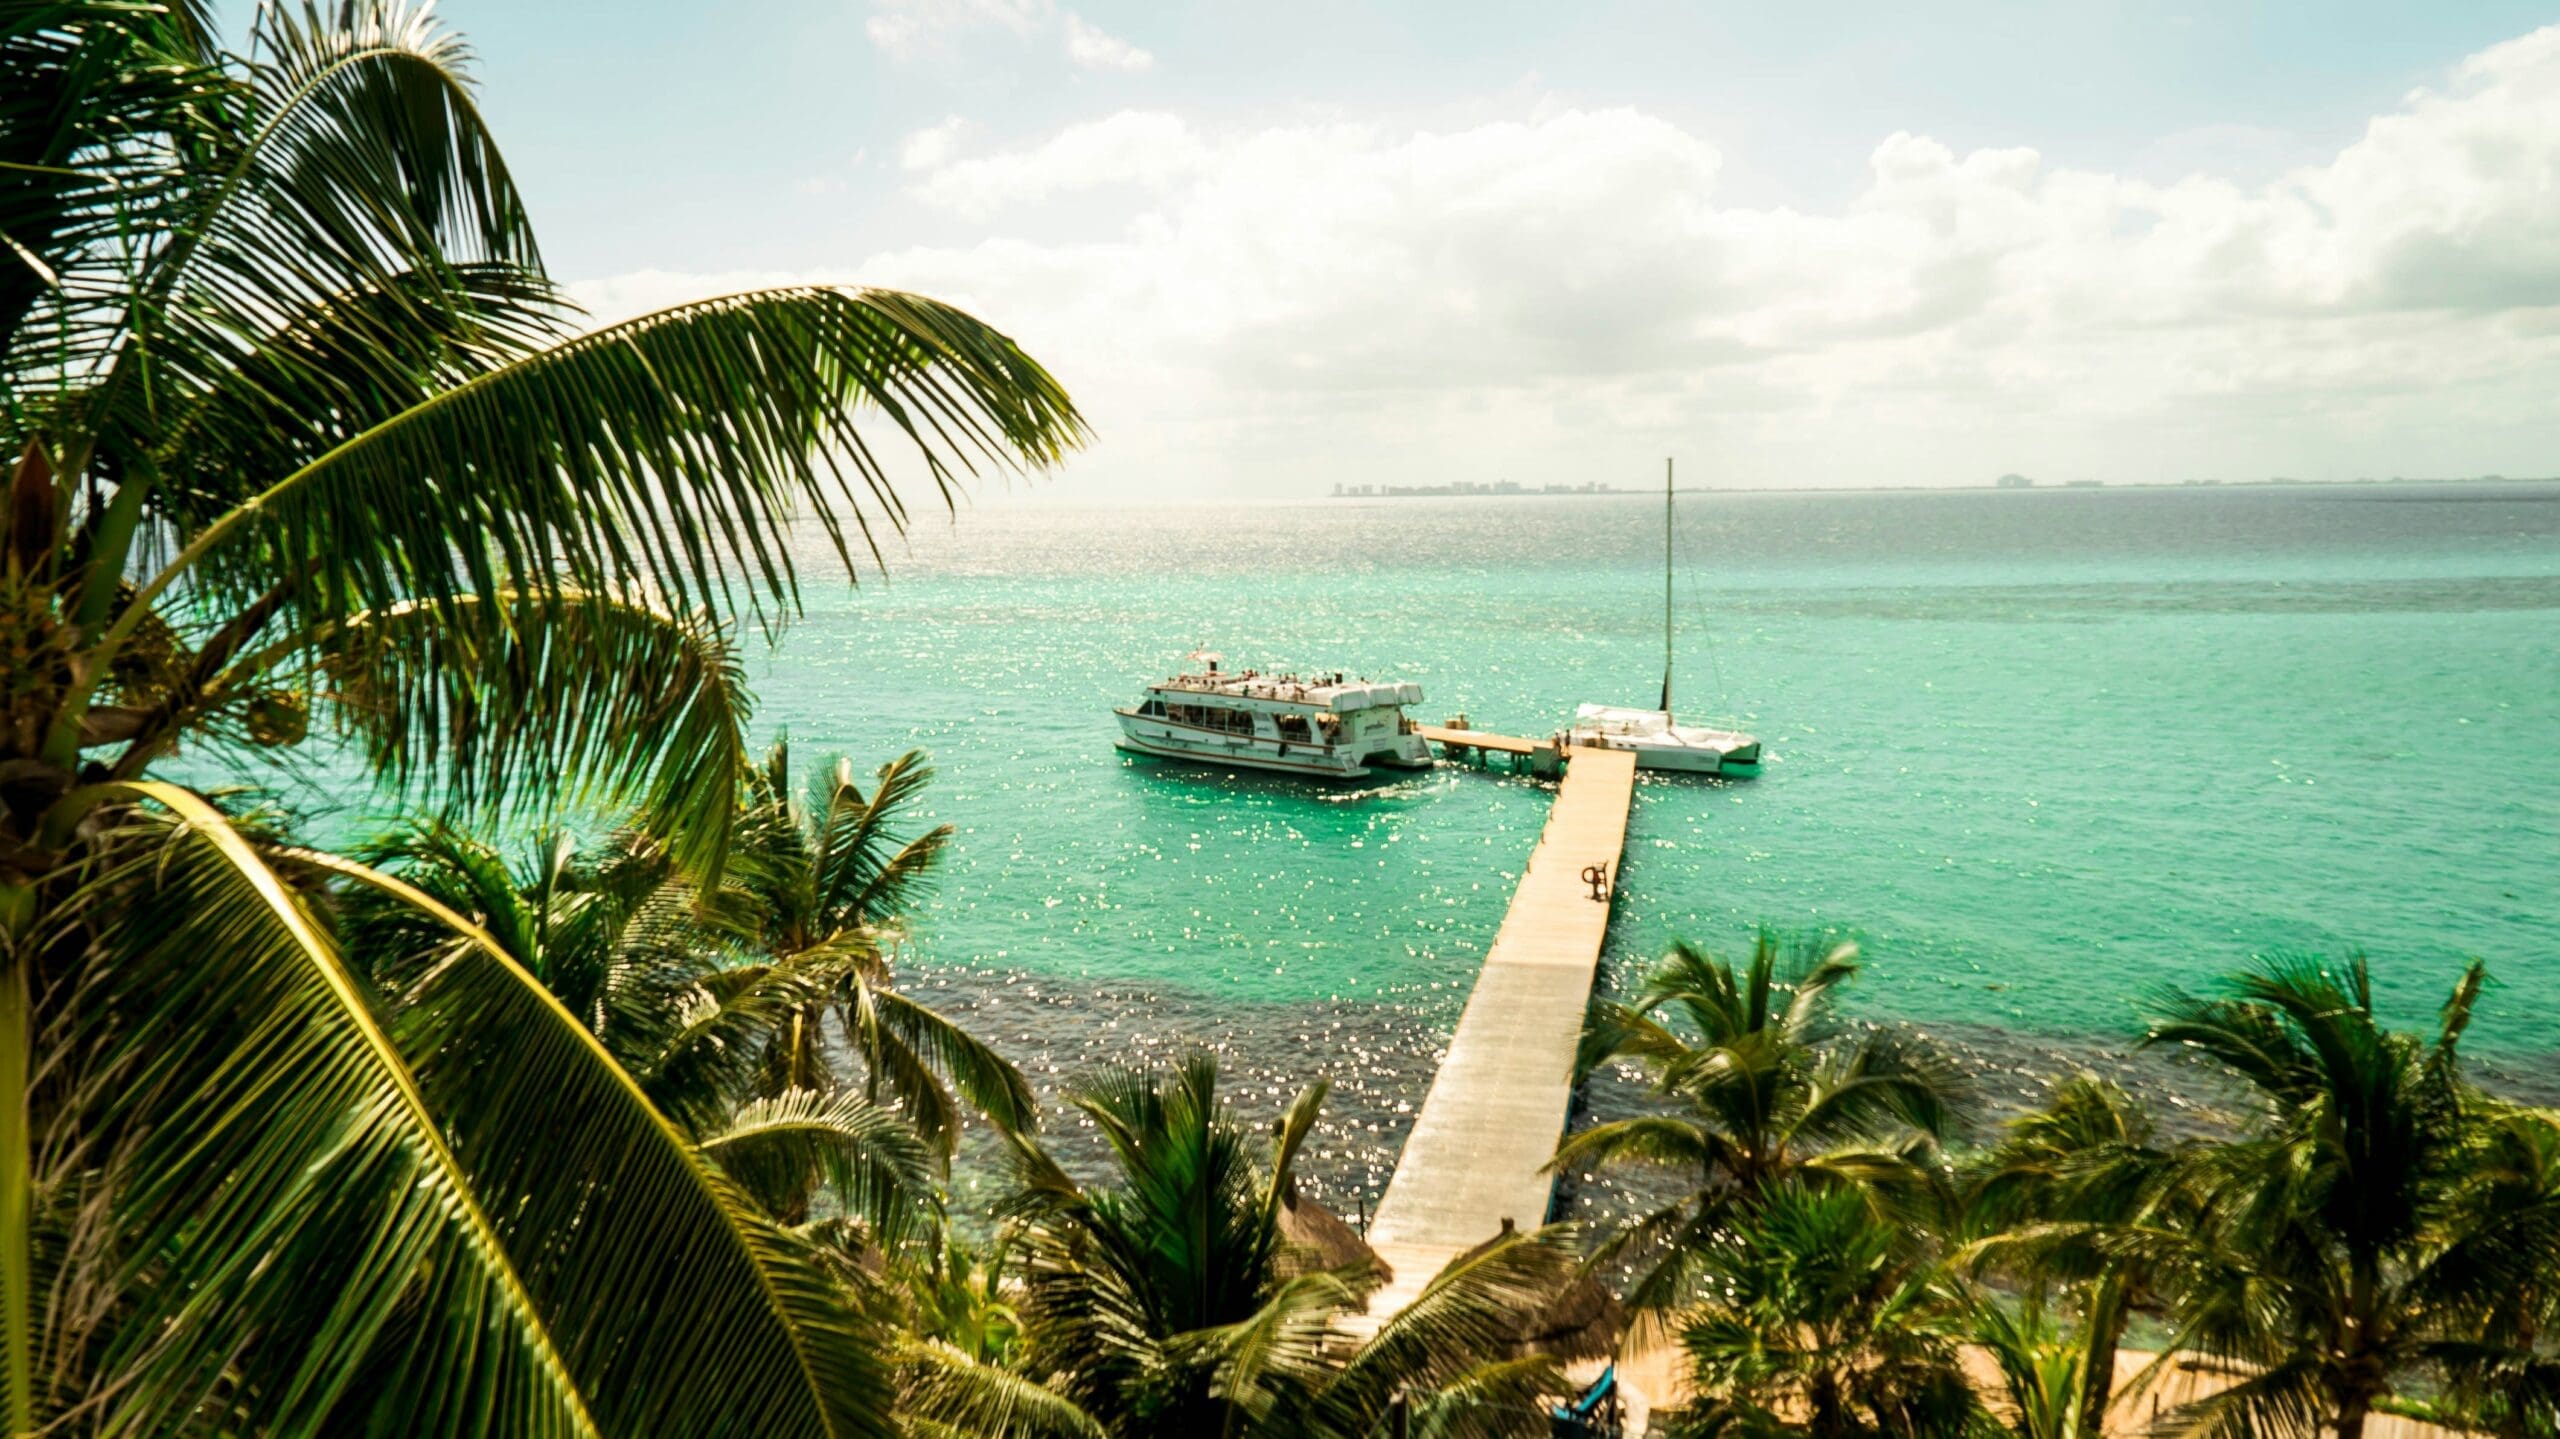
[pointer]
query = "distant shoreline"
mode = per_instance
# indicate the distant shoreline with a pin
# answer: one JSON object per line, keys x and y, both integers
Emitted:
{"x": 1445, "y": 492}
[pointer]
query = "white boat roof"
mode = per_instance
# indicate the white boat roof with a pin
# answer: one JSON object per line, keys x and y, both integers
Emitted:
{"x": 1314, "y": 691}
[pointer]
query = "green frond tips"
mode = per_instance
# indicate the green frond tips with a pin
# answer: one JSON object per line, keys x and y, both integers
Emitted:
{"x": 674, "y": 450}
{"x": 530, "y": 701}
{"x": 290, "y": 1160}
{"x": 769, "y": 1342}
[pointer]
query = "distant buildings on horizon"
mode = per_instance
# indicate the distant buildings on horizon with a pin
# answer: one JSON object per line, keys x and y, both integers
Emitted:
{"x": 1468, "y": 487}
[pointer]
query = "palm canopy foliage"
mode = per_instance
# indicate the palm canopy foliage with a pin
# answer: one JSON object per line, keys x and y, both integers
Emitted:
{"x": 718, "y": 1004}
{"x": 1824, "y": 1318}
{"x": 1765, "y": 1085}
{"x": 2373, "y": 1222}
{"x": 1171, "y": 1301}
{"x": 824, "y": 879}
{"x": 2044, "y": 1203}
{"x": 296, "y": 429}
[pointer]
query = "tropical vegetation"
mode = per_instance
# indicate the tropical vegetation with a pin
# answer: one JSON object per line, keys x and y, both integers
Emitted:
{"x": 2368, "y": 1231}
{"x": 586, "y": 1099}
{"x": 302, "y": 441}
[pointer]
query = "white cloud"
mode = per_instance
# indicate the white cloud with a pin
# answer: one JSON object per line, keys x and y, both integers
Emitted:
{"x": 934, "y": 146}
{"x": 1135, "y": 147}
{"x": 903, "y": 29}
{"x": 1095, "y": 49}
{"x": 1352, "y": 302}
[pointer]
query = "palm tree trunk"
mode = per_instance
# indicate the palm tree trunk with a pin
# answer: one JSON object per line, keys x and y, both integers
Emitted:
{"x": 2110, "y": 1307}
{"x": 1828, "y": 1422}
{"x": 17, "y": 1175}
{"x": 2351, "y": 1414}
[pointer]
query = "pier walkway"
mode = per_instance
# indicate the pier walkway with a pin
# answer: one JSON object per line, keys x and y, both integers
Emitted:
{"x": 1497, "y": 1107}
{"x": 1477, "y": 739}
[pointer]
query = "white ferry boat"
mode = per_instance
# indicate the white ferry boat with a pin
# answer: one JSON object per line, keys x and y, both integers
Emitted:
{"x": 1651, "y": 735}
{"x": 1327, "y": 725}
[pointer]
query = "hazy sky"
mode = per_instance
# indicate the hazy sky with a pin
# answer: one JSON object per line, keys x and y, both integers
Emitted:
{"x": 1272, "y": 247}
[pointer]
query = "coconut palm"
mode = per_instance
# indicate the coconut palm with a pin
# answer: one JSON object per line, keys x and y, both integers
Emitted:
{"x": 826, "y": 879}
{"x": 298, "y": 432}
{"x": 1824, "y": 1318}
{"x": 2335, "y": 1254}
{"x": 619, "y": 937}
{"x": 2044, "y": 1368}
{"x": 1766, "y": 1086}
{"x": 1173, "y": 1302}
{"x": 2508, "y": 1371}
{"x": 2061, "y": 1180}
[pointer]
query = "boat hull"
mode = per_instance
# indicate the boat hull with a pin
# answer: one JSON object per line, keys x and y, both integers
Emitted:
{"x": 1673, "y": 756}
{"x": 1157, "y": 739}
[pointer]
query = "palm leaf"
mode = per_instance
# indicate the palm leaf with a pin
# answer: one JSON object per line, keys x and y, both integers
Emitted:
{"x": 552, "y": 698}
{"x": 1473, "y": 1308}
{"x": 865, "y": 874}
{"x": 987, "y": 1080}
{"x": 294, "y": 1169}
{"x": 675, "y": 448}
{"x": 946, "y": 1392}
{"x": 653, "y": 1263}
{"x": 872, "y": 1160}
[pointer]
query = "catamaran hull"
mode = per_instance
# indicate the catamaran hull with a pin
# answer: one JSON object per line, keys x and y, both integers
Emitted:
{"x": 1676, "y": 759}
{"x": 1226, "y": 760}
{"x": 1162, "y": 740}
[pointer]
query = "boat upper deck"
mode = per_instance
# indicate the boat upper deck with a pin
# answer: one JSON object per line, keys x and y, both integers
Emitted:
{"x": 1332, "y": 691}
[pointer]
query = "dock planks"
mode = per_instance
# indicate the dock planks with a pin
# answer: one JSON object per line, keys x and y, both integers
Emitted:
{"x": 1497, "y": 1106}
{"x": 1448, "y": 738}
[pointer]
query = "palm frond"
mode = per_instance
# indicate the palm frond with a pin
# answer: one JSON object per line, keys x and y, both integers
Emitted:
{"x": 674, "y": 449}
{"x": 871, "y": 1159}
{"x": 1472, "y": 1309}
{"x": 768, "y": 1342}
{"x": 987, "y": 1080}
{"x": 946, "y": 1392}
{"x": 296, "y": 1167}
{"x": 866, "y": 874}
{"x": 548, "y": 698}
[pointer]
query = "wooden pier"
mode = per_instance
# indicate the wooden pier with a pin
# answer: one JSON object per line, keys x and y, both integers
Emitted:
{"x": 1476, "y": 1156}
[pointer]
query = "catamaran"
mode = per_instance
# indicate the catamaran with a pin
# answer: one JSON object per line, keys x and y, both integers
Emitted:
{"x": 1650, "y": 734}
{"x": 1327, "y": 725}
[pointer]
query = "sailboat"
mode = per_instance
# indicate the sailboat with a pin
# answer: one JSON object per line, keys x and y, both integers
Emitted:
{"x": 1656, "y": 741}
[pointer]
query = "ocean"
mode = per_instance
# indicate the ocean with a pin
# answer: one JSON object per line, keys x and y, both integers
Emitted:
{"x": 2037, "y": 753}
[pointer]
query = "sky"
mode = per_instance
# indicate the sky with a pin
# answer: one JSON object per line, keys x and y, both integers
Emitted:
{"x": 1273, "y": 248}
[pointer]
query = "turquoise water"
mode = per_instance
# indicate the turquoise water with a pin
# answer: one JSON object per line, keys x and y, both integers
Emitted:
{"x": 2039, "y": 753}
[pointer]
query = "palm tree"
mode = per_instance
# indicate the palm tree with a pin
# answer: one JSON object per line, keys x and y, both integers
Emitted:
{"x": 2334, "y": 1253}
{"x": 296, "y": 430}
{"x": 2048, "y": 1196}
{"x": 2508, "y": 1372}
{"x": 827, "y": 879}
{"x": 621, "y": 939}
{"x": 1826, "y": 1319}
{"x": 1173, "y": 1302}
{"x": 1773, "y": 1088}
{"x": 2045, "y": 1368}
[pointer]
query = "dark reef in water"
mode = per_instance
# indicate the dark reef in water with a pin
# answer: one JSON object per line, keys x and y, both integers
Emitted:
{"x": 1380, "y": 1057}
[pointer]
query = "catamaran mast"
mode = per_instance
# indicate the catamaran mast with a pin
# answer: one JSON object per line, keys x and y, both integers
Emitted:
{"x": 1666, "y": 588}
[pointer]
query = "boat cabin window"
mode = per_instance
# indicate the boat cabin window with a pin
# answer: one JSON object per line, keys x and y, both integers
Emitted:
{"x": 1153, "y": 709}
{"x": 1294, "y": 729}
{"x": 1329, "y": 728}
{"x": 1211, "y": 717}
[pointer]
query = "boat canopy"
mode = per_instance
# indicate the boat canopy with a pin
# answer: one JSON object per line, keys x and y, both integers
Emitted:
{"x": 1361, "y": 697}
{"x": 1321, "y": 694}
